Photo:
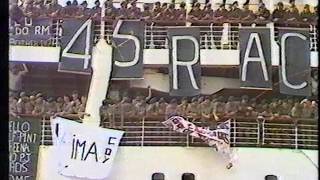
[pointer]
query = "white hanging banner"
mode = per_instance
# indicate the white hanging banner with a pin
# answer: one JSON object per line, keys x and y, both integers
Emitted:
{"x": 218, "y": 138}
{"x": 84, "y": 151}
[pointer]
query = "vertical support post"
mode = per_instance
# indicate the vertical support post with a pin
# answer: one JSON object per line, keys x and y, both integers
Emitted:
{"x": 142, "y": 130}
{"x": 225, "y": 35}
{"x": 260, "y": 130}
{"x": 57, "y": 32}
{"x": 152, "y": 46}
{"x": 102, "y": 27}
{"x": 121, "y": 119}
{"x": 296, "y": 134}
{"x": 42, "y": 130}
{"x": 206, "y": 41}
{"x": 275, "y": 49}
{"x": 213, "y": 46}
{"x": 187, "y": 137}
{"x": 234, "y": 131}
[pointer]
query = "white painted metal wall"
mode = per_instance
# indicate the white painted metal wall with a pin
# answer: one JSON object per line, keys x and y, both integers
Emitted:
{"x": 139, "y": 163}
{"x": 209, "y": 85}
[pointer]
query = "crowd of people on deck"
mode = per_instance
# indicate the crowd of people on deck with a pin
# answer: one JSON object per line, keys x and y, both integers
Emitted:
{"x": 207, "y": 107}
{"x": 37, "y": 104}
{"x": 163, "y": 11}
{"x": 210, "y": 107}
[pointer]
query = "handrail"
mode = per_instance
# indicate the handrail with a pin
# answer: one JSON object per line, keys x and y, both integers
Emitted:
{"x": 211, "y": 38}
{"x": 245, "y": 132}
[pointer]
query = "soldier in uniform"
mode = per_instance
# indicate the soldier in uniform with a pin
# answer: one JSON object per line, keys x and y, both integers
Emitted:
{"x": 162, "y": 105}
{"x": 53, "y": 9}
{"x": 306, "y": 14}
{"x": 292, "y": 14}
{"x": 96, "y": 10}
{"x": 193, "y": 108}
{"x": 247, "y": 14}
{"x": 206, "y": 110}
{"x": 134, "y": 11}
{"x": 171, "y": 109}
{"x": 263, "y": 13}
{"x": 195, "y": 13}
{"x": 84, "y": 11}
{"x": 152, "y": 108}
{"x": 221, "y": 13}
{"x": 170, "y": 13}
{"x": 181, "y": 12}
{"x": 182, "y": 108}
{"x": 279, "y": 13}
{"x": 234, "y": 13}
{"x": 156, "y": 10}
{"x": 207, "y": 12}
{"x": 146, "y": 13}
{"x": 123, "y": 12}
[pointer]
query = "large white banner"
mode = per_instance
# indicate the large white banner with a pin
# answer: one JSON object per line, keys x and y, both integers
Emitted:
{"x": 84, "y": 151}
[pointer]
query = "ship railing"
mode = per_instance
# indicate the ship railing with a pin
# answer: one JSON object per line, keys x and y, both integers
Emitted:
{"x": 294, "y": 133}
{"x": 220, "y": 36}
{"x": 224, "y": 36}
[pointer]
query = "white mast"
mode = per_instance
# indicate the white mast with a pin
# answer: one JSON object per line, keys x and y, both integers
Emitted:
{"x": 101, "y": 64}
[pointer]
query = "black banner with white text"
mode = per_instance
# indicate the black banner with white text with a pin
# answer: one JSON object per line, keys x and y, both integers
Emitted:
{"x": 127, "y": 55}
{"x": 24, "y": 141}
{"x": 294, "y": 68}
{"x": 184, "y": 66}
{"x": 255, "y": 58}
{"x": 32, "y": 32}
{"x": 76, "y": 46}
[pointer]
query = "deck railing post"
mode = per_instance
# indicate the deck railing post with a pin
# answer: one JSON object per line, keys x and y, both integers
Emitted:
{"x": 142, "y": 131}
{"x": 296, "y": 134}
{"x": 42, "y": 130}
{"x": 234, "y": 131}
{"x": 260, "y": 130}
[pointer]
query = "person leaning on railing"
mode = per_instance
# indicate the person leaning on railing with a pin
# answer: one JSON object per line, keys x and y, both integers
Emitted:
{"x": 291, "y": 16}
{"x": 279, "y": 13}
{"x": 181, "y": 12}
{"x": 162, "y": 105}
{"x": 234, "y": 14}
{"x": 123, "y": 12}
{"x": 171, "y": 109}
{"x": 206, "y": 112}
{"x": 13, "y": 110}
{"x": 221, "y": 14}
{"x": 195, "y": 13}
{"x": 263, "y": 14}
{"x": 306, "y": 15}
{"x": 53, "y": 9}
{"x": 133, "y": 11}
{"x": 152, "y": 108}
{"x": 193, "y": 108}
{"x": 207, "y": 12}
{"x": 247, "y": 15}
{"x": 146, "y": 14}
{"x": 107, "y": 113}
{"x": 182, "y": 107}
{"x": 38, "y": 9}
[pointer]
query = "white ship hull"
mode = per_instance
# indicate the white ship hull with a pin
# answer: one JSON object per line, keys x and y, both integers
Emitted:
{"x": 139, "y": 163}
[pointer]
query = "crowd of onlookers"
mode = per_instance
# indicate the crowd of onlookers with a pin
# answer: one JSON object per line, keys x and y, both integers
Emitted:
{"x": 163, "y": 11}
{"x": 205, "y": 107}
{"x": 209, "y": 107}
{"x": 38, "y": 105}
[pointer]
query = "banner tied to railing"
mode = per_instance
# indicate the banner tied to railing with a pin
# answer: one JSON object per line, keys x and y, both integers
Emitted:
{"x": 218, "y": 138}
{"x": 79, "y": 148}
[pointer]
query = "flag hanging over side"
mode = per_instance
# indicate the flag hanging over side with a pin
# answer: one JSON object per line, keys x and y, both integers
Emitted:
{"x": 218, "y": 138}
